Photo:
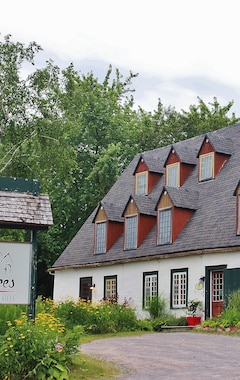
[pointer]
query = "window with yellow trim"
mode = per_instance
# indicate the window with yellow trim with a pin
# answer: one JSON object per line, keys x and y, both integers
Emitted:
{"x": 110, "y": 288}
{"x": 172, "y": 175}
{"x": 142, "y": 183}
{"x": 206, "y": 166}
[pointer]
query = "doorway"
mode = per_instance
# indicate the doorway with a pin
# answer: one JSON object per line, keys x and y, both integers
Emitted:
{"x": 214, "y": 291}
{"x": 85, "y": 293}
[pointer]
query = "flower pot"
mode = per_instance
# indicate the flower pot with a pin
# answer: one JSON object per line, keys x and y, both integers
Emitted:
{"x": 193, "y": 320}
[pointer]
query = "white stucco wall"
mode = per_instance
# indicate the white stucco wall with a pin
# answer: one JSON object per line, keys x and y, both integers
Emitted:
{"x": 130, "y": 278}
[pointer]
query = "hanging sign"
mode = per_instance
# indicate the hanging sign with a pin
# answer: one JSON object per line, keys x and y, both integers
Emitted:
{"x": 15, "y": 272}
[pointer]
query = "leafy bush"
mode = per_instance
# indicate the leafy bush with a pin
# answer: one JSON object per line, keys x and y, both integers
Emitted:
{"x": 145, "y": 325}
{"x": 9, "y": 313}
{"x": 37, "y": 350}
{"x": 234, "y": 300}
{"x": 105, "y": 317}
{"x": 157, "y": 307}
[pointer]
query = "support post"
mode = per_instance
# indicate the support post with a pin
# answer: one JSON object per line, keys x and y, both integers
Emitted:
{"x": 33, "y": 283}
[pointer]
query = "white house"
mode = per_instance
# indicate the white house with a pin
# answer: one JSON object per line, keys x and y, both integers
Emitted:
{"x": 169, "y": 226}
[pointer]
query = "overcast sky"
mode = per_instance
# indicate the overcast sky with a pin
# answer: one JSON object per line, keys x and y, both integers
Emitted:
{"x": 181, "y": 49}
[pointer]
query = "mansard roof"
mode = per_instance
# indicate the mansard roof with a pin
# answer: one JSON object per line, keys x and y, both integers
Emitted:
{"x": 220, "y": 144}
{"x": 112, "y": 211}
{"x": 144, "y": 204}
{"x": 182, "y": 198}
{"x": 185, "y": 154}
{"x": 154, "y": 164}
{"x": 211, "y": 227}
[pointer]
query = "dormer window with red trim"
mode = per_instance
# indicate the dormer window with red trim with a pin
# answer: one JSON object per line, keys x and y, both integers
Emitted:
{"x": 173, "y": 175}
{"x": 142, "y": 183}
{"x": 140, "y": 217}
{"x": 237, "y": 194}
{"x": 212, "y": 156}
{"x": 175, "y": 207}
{"x": 108, "y": 227}
{"x": 100, "y": 237}
{"x": 179, "y": 164}
{"x": 130, "y": 241}
{"x": 206, "y": 169}
{"x": 147, "y": 173}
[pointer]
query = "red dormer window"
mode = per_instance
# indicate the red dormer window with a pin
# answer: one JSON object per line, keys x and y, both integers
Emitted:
{"x": 147, "y": 174}
{"x": 173, "y": 175}
{"x": 212, "y": 157}
{"x": 179, "y": 164}
{"x": 142, "y": 183}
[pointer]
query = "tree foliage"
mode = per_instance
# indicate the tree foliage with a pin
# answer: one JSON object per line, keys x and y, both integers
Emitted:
{"x": 76, "y": 134}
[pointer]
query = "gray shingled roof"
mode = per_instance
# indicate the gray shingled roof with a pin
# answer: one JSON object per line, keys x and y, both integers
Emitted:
{"x": 220, "y": 144}
{"x": 183, "y": 198}
{"x": 113, "y": 212}
{"x": 25, "y": 210}
{"x": 145, "y": 204}
{"x": 212, "y": 226}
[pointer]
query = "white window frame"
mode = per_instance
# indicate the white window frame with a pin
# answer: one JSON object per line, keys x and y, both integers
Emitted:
{"x": 131, "y": 228}
{"x": 142, "y": 183}
{"x": 150, "y": 287}
{"x": 179, "y": 279}
{"x": 164, "y": 226}
{"x": 100, "y": 237}
{"x": 173, "y": 176}
{"x": 206, "y": 170}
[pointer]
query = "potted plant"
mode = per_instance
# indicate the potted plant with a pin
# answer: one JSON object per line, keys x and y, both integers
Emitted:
{"x": 194, "y": 307}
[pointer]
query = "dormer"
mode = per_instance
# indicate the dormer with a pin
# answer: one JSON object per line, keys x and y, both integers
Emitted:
{"x": 147, "y": 173}
{"x": 108, "y": 226}
{"x": 174, "y": 209}
{"x": 212, "y": 156}
{"x": 139, "y": 218}
{"x": 237, "y": 194}
{"x": 179, "y": 164}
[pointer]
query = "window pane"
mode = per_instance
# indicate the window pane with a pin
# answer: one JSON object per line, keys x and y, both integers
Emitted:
{"x": 142, "y": 184}
{"x": 165, "y": 226}
{"x": 172, "y": 175}
{"x": 111, "y": 289}
{"x": 206, "y": 167}
{"x": 179, "y": 289}
{"x": 150, "y": 288}
{"x": 100, "y": 237}
{"x": 131, "y": 232}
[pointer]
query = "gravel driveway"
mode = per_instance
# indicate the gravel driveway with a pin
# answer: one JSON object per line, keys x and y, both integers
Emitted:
{"x": 176, "y": 355}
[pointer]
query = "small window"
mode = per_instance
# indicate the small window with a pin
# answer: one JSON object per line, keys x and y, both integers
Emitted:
{"x": 165, "y": 226}
{"x": 206, "y": 167}
{"x": 110, "y": 288}
{"x": 150, "y": 287}
{"x": 179, "y": 279}
{"x": 141, "y": 183}
{"x": 100, "y": 241}
{"x": 130, "y": 232}
{"x": 172, "y": 175}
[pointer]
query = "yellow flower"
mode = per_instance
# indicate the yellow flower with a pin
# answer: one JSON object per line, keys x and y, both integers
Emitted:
{"x": 9, "y": 338}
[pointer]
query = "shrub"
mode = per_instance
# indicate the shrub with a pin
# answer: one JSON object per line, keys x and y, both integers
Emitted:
{"x": 234, "y": 300}
{"x": 145, "y": 325}
{"x": 9, "y": 313}
{"x": 37, "y": 350}
{"x": 157, "y": 307}
{"x": 105, "y": 317}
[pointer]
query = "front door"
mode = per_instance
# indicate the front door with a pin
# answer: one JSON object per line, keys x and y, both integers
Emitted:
{"x": 217, "y": 292}
{"x": 85, "y": 293}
